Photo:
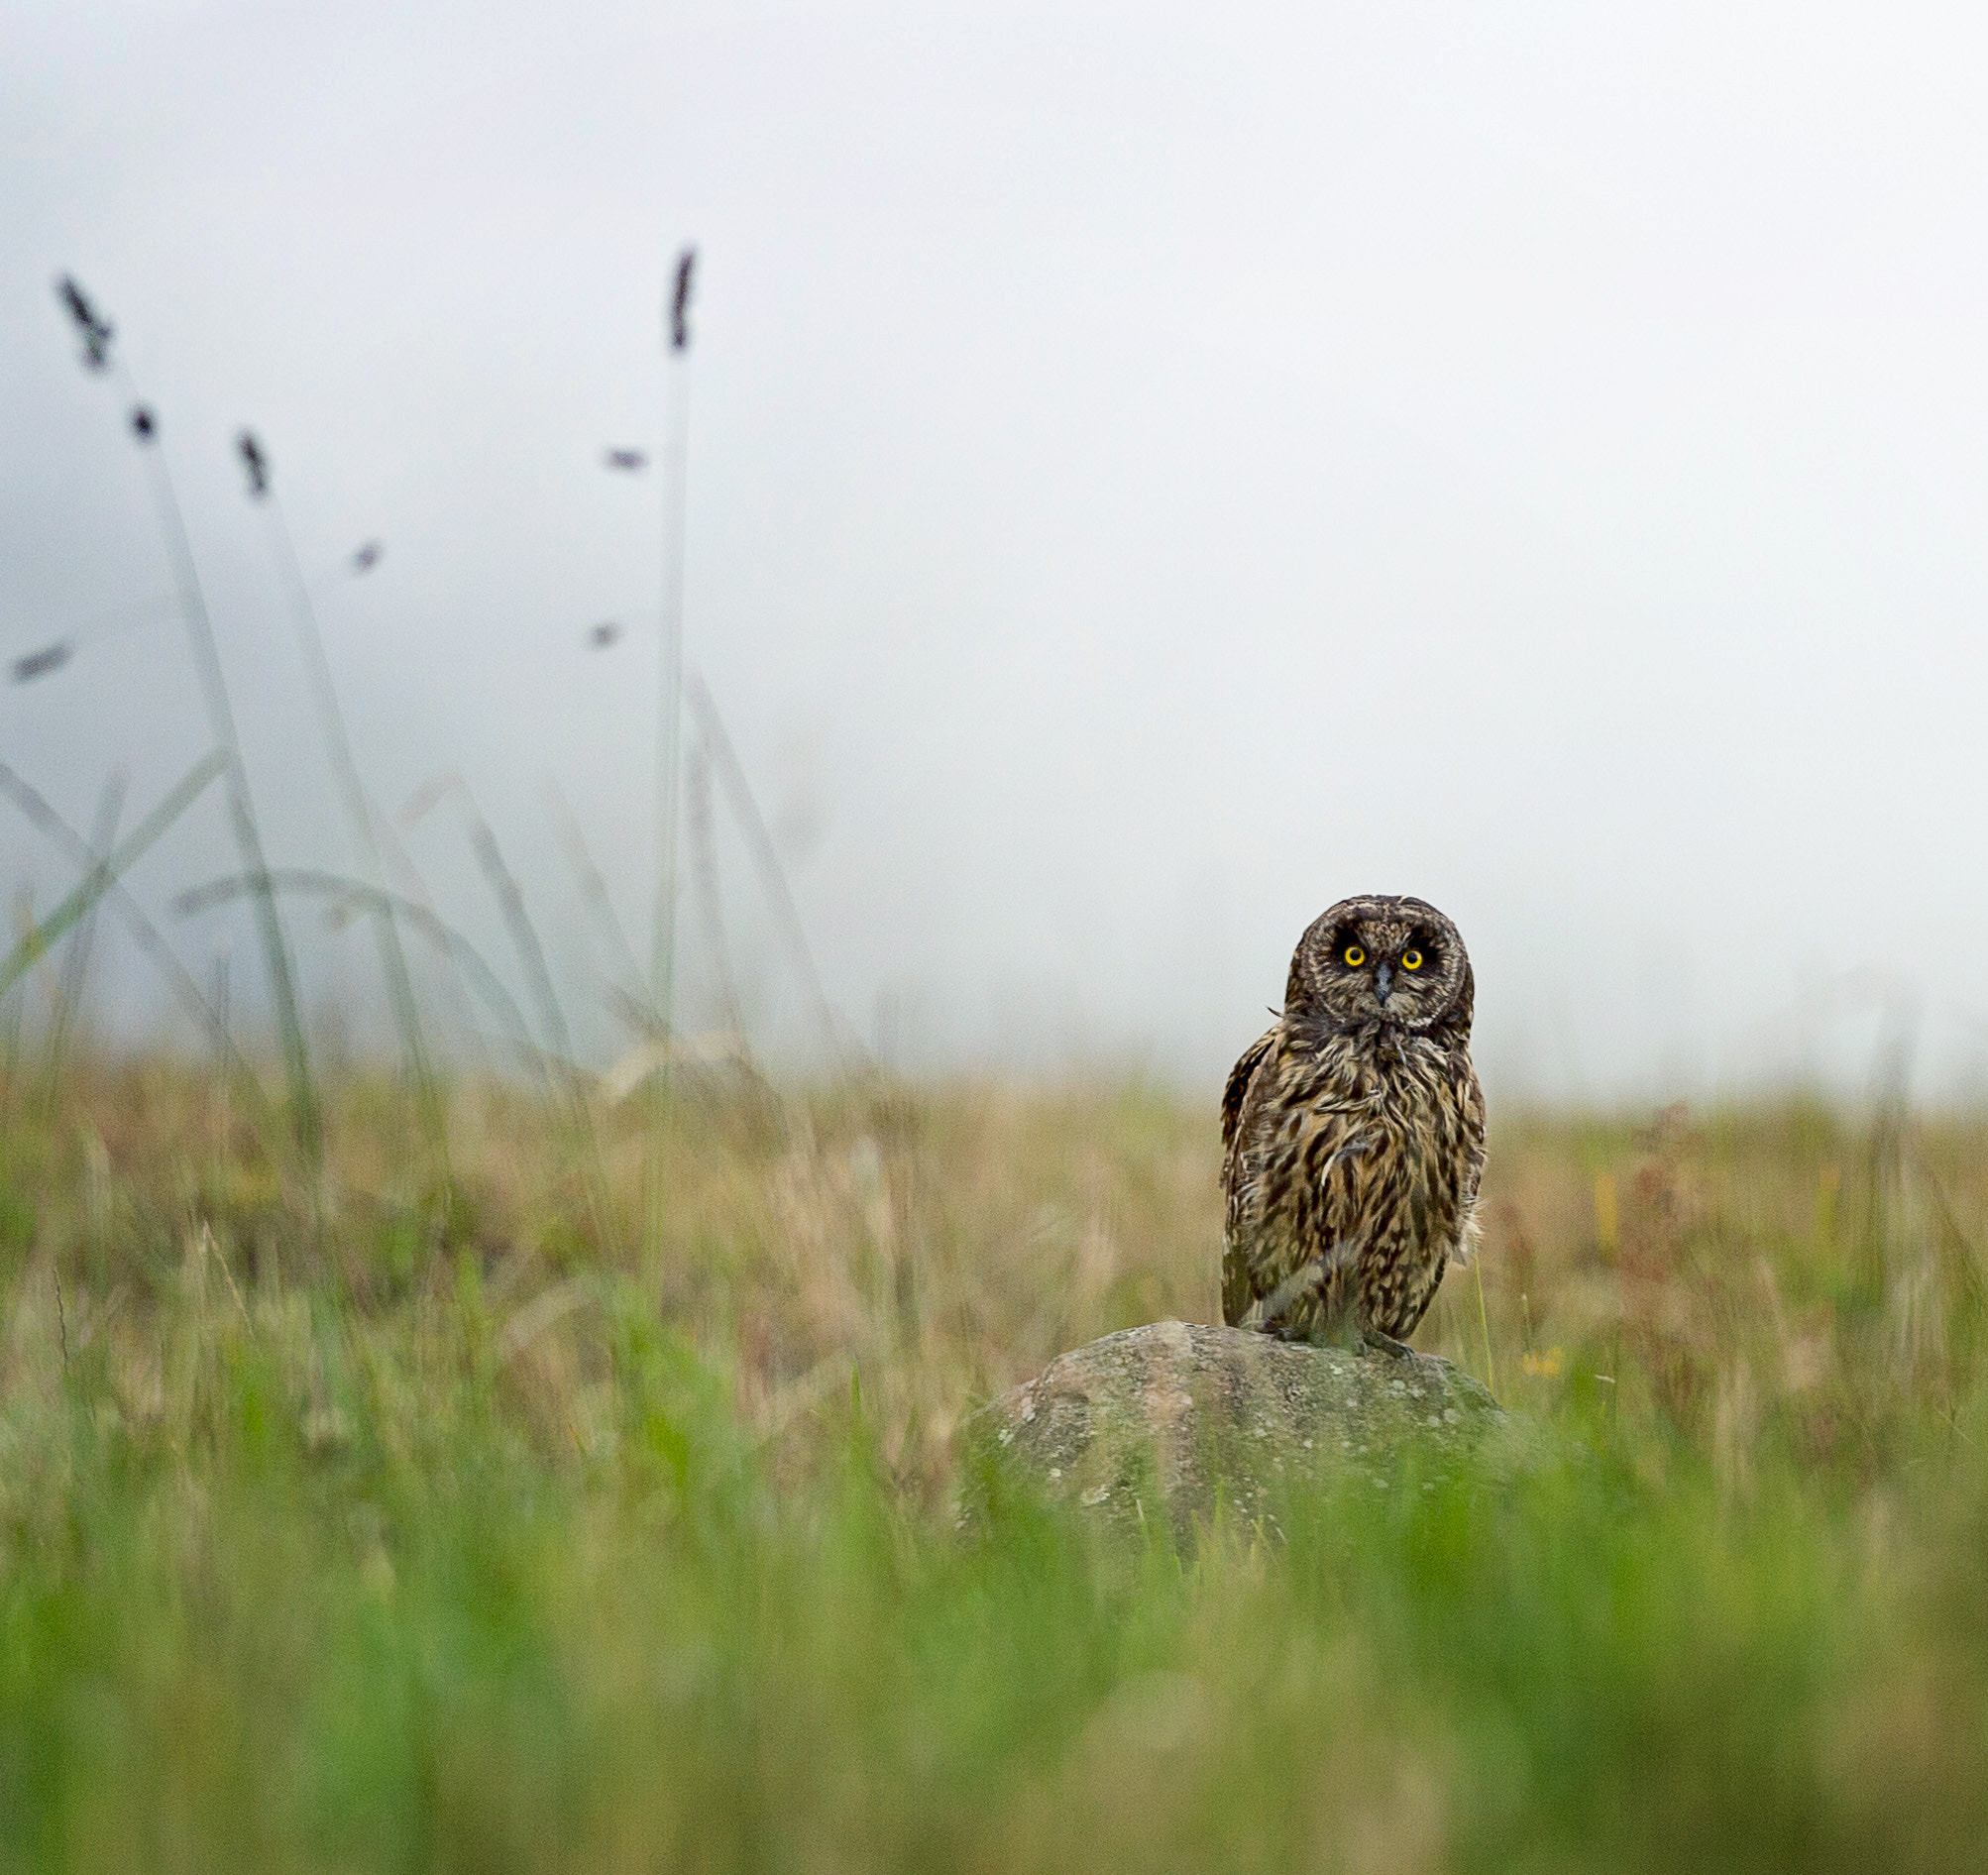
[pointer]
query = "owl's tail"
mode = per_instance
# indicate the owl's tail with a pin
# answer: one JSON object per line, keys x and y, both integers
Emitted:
{"x": 1267, "y": 1310}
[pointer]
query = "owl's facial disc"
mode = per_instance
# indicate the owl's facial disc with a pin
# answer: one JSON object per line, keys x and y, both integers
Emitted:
{"x": 1396, "y": 961}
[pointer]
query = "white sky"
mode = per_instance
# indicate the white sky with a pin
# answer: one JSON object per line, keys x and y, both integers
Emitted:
{"x": 1152, "y": 471}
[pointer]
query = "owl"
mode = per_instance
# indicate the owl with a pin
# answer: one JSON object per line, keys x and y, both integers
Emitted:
{"x": 1354, "y": 1132}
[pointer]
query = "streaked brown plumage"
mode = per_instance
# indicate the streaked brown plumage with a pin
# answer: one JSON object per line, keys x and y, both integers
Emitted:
{"x": 1353, "y": 1131}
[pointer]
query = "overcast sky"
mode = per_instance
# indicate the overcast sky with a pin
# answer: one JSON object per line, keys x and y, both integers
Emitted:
{"x": 1152, "y": 471}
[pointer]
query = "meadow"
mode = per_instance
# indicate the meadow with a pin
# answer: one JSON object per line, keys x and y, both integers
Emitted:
{"x": 357, "y": 1517}
{"x": 490, "y": 1467}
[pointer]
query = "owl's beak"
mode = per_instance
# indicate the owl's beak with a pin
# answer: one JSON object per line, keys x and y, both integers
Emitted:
{"x": 1383, "y": 980}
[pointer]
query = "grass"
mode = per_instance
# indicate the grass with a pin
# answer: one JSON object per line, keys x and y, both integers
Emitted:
{"x": 528, "y": 1482}
{"x": 328, "y": 1542}
{"x": 96, "y": 334}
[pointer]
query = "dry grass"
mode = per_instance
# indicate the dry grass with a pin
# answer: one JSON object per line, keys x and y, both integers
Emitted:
{"x": 1801, "y": 1273}
{"x": 354, "y": 1524}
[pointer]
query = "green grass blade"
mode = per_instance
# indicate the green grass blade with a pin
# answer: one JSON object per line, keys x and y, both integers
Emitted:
{"x": 74, "y": 909}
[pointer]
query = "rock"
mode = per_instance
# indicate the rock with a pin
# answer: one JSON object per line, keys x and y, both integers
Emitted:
{"x": 1173, "y": 1416}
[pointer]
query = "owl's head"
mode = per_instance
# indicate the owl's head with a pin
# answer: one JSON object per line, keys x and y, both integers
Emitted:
{"x": 1387, "y": 960}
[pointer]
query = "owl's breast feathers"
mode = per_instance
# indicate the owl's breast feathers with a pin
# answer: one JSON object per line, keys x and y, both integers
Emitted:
{"x": 1358, "y": 1151}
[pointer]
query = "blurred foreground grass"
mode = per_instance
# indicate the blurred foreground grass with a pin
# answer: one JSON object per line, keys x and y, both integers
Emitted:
{"x": 351, "y": 1530}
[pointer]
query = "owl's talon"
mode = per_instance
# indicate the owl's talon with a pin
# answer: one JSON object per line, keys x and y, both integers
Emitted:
{"x": 1373, "y": 1341}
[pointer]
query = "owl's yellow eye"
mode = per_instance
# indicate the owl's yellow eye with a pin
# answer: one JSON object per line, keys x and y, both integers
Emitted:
{"x": 1411, "y": 960}
{"x": 1355, "y": 957}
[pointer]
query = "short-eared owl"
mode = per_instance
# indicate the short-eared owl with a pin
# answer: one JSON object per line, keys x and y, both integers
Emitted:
{"x": 1354, "y": 1132}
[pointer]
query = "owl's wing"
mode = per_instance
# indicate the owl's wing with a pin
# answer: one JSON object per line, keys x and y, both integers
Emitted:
{"x": 1471, "y": 1112}
{"x": 1291, "y": 1179}
{"x": 1238, "y": 1089}
{"x": 1238, "y": 1286}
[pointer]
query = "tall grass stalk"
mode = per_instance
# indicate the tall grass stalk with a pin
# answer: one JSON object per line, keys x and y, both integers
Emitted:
{"x": 365, "y": 846}
{"x": 1484, "y": 1322}
{"x": 594, "y": 894}
{"x": 22, "y": 919}
{"x": 76, "y": 963}
{"x": 669, "y": 734}
{"x": 510, "y": 896}
{"x": 409, "y": 886}
{"x": 305, "y": 1116}
{"x": 711, "y": 903}
{"x": 766, "y": 857}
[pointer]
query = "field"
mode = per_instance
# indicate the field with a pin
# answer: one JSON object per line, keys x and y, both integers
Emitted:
{"x": 351, "y": 1521}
